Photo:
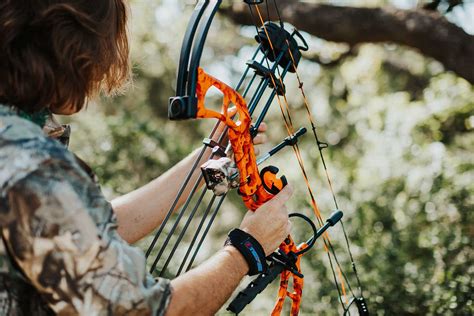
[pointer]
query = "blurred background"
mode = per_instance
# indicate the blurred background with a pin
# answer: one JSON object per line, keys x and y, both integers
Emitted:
{"x": 400, "y": 133}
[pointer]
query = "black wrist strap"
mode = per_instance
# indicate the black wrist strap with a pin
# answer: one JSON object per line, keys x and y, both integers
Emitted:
{"x": 250, "y": 248}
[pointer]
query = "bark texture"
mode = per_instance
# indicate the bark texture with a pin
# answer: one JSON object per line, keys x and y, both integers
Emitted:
{"x": 427, "y": 31}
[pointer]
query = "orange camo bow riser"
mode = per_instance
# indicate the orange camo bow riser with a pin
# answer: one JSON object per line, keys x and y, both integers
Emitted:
{"x": 298, "y": 282}
{"x": 251, "y": 186}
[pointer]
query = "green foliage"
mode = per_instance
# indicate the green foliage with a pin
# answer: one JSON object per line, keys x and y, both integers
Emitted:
{"x": 400, "y": 134}
{"x": 412, "y": 185}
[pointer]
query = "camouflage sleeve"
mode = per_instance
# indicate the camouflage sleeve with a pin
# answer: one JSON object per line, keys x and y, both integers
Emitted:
{"x": 65, "y": 242}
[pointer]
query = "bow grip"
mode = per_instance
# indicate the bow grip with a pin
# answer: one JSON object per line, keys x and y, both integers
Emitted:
{"x": 271, "y": 183}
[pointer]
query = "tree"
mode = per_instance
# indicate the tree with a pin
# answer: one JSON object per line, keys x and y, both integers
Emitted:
{"x": 425, "y": 30}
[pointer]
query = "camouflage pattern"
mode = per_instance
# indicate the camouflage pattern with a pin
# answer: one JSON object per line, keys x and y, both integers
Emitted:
{"x": 60, "y": 251}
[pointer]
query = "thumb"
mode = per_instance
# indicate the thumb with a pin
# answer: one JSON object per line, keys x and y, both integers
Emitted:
{"x": 284, "y": 195}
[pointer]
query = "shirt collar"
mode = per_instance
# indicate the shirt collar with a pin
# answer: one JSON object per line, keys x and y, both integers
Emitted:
{"x": 46, "y": 120}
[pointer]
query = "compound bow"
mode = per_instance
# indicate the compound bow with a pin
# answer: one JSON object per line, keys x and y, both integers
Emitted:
{"x": 277, "y": 54}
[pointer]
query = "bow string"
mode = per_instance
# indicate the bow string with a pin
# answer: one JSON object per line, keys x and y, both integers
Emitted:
{"x": 341, "y": 280}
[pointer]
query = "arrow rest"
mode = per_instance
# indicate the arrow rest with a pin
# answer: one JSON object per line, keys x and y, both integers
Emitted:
{"x": 221, "y": 174}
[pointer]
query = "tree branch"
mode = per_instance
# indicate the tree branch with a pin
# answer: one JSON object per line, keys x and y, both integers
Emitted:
{"x": 334, "y": 62}
{"x": 427, "y": 31}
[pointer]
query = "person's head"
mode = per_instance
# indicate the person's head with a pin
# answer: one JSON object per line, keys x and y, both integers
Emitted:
{"x": 59, "y": 53}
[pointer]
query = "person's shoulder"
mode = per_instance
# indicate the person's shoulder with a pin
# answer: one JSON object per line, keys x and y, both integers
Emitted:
{"x": 34, "y": 167}
{"x": 16, "y": 129}
{"x": 24, "y": 149}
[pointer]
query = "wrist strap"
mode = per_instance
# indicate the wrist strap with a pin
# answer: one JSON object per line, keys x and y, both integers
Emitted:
{"x": 250, "y": 249}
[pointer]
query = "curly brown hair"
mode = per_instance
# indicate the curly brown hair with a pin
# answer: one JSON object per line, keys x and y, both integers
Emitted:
{"x": 58, "y": 53}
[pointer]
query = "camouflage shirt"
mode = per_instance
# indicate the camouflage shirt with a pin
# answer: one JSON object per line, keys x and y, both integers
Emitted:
{"x": 60, "y": 251}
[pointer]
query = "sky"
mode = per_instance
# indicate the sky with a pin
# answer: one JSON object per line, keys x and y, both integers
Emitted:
{"x": 462, "y": 16}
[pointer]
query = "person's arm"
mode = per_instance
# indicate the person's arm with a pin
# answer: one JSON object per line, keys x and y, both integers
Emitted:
{"x": 203, "y": 290}
{"x": 63, "y": 238}
{"x": 81, "y": 265}
{"x": 142, "y": 210}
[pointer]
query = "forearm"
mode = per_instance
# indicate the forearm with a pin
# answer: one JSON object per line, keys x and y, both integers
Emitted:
{"x": 203, "y": 290}
{"x": 142, "y": 210}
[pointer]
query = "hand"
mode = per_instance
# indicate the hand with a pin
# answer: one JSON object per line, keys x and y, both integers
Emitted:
{"x": 269, "y": 224}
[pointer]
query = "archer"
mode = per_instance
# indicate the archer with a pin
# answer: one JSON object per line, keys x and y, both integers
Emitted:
{"x": 65, "y": 249}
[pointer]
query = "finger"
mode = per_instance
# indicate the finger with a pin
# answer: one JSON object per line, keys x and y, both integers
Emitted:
{"x": 284, "y": 195}
{"x": 262, "y": 127}
{"x": 256, "y": 151}
{"x": 260, "y": 139}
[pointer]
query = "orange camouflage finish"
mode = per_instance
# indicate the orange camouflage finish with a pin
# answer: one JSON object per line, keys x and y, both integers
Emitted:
{"x": 251, "y": 186}
{"x": 298, "y": 282}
